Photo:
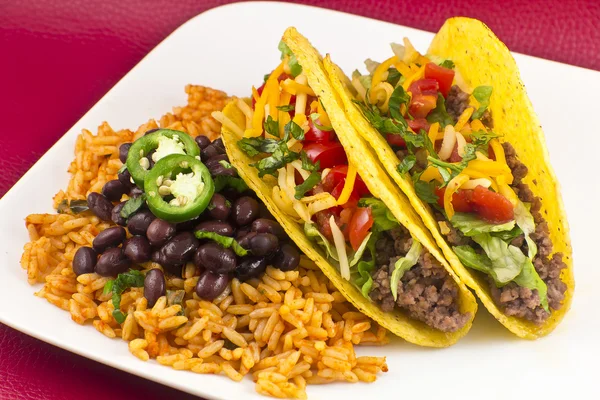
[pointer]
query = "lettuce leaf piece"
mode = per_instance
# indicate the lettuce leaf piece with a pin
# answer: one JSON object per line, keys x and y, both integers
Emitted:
{"x": 471, "y": 259}
{"x": 361, "y": 275}
{"x": 530, "y": 279}
{"x": 316, "y": 236}
{"x": 470, "y": 225}
{"x": 525, "y": 221}
{"x": 360, "y": 251}
{"x": 482, "y": 94}
{"x": 508, "y": 236}
{"x": 439, "y": 113}
{"x": 404, "y": 264}
{"x": 383, "y": 219}
{"x": 295, "y": 67}
{"x": 507, "y": 261}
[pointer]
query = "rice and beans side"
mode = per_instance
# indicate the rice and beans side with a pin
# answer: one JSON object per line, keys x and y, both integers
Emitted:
{"x": 275, "y": 317}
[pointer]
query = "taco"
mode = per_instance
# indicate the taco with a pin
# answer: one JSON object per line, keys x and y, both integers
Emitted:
{"x": 457, "y": 133}
{"x": 295, "y": 148}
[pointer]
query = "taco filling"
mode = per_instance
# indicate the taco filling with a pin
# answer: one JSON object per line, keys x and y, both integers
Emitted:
{"x": 442, "y": 133}
{"x": 288, "y": 127}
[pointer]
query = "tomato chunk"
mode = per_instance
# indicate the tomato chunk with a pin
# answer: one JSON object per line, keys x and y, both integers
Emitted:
{"x": 492, "y": 206}
{"x": 360, "y": 224}
{"x": 461, "y": 200}
{"x": 443, "y": 76}
{"x": 395, "y": 140}
{"x": 337, "y": 175}
{"x": 424, "y": 86}
{"x": 317, "y": 135}
{"x": 422, "y": 104}
{"x": 328, "y": 154}
{"x": 417, "y": 124}
{"x": 352, "y": 200}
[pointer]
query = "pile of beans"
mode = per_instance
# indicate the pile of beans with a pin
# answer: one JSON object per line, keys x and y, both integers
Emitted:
{"x": 229, "y": 214}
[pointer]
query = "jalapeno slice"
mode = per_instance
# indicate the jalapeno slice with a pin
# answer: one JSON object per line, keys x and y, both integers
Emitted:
{"x": 163, "y": 142}
{"x": 178, "y": 188}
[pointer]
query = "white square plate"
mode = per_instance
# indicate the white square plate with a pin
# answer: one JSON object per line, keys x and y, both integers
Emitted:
{"x": 230, "y": 48}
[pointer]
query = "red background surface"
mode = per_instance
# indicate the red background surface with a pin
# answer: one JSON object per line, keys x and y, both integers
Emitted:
{"x": 60, "y": 57}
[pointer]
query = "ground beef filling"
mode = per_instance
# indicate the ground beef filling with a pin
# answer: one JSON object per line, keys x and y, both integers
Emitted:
{"x": 426, "y": 292}
{"x": 515, "y": 300}
{"x": 457, "y": 101}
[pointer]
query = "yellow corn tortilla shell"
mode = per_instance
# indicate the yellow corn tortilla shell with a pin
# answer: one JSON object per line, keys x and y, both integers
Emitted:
{"x": 380, "y": 186}
{"x": 483, "y": 59}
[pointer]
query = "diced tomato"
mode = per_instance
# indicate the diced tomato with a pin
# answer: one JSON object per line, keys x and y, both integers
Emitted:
{"x": 352, "y": 200}
{"x": 461, "y": 200}
{"x": 338, "y": 174}
{"x": 454, "y": 156}
{"x": 284, "y": 76}
{"x": 489, "y": 205}
{"x": 344, "y": 224}
{"x": 360, "y": 224}
{"x": 328, "y": 154}
{"x": 443, "y": 76}
{"x": 424, "y": 86}
{"x": 395, "y": 140}
{"x": 422, "y": 104}
{"x": 322, "y": 220}
{"x": 492, "y": 206}
{"x": 417, "y": 124}
{"x": 316, "y": 135}
{"x": 491, "y": 154}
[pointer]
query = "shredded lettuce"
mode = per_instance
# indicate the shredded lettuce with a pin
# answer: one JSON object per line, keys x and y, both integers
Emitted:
{"x": 482, "y": 94}
{"x": 383, "y": 219}
{"x": 530, "y": 279}
{"x": 359, "y": 252}
{"x": 504, "y": 263}
{"x": 365, "y": 80}
{"x": 295, "y": 67}
{"x": 525, "y": 221}
{"x": 507, "y": 260}
{"x": 315, "y": 235}
{"x": 470, "y": 224}
{"x": 404, "y": 264}
{"x": 361, "y": 275}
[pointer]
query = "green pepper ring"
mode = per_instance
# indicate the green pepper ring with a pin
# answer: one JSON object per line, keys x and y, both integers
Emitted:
{"x": 167, "y": 166}
{"x": 147, "y": 143}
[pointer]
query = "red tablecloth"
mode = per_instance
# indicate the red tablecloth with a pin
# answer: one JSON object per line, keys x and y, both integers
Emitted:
{"x": 60, "y": 57}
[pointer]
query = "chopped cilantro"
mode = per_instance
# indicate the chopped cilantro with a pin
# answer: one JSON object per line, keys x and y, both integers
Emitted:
{"x": 407, "y": 163}
{"x": 132, "y": 205}
{"x": 224, "y": 241}
{"x": 393, "y": 76}
{"x": 295, "y": 68}
{"x": 313, "y": 179}
{"x": 398, "y": 97}
{"x": 287, "y": 108}
{"x": 439, "y": 113}
{"x": 447, "y": 64}
{"x": 314, "y": 117}
{"x": 124, "y": 281}
{"x": 271, "y": 126}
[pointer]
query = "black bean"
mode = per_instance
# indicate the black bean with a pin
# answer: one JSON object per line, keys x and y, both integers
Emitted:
{"x": 216, "y": 167}
{"x": 160, "y": 232}
{"x": 124, "y": 152}
{"x": 220, "y": 227}
{"x": 112, "y": 262}
{"x": 287, "y": 258}
{"x": 154, "y": 286}
{"x": 114, "y": 190}
{"x": 210, "y": 285}
{"x": 264, "y": 244}
{"x": 180, "y": 249}
{"x": 189, "y": 225}
{"x": 210, "y": 151}
{"x": 215, "y": 258}
{"x": 264, "y": 225}
{"x": 263, "y": 212}
{"x": 135, "y": 191}
{"x": 244, "y": 241}
{"x": 116, "y": 214}
{"x": 84, "y": 260}
{"x": 110, "y": 237}
{"x": 250, "y": 267}
{"x": 245, "y": 210}
{"x": 219, "y": 144}
{"x": 138, "y": 223}
{"x": 125, "y": 178}
{"x": 100, "y": 206}
{"x": 202, "y": 141}
{"x": 219, "y": 207}
{"x": 242, "y": 231}
{"x": 137, "y": 249}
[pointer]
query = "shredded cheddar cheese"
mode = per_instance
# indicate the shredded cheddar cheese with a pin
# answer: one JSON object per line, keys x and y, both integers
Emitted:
{"x": 295, "y": 87}
{"x": 340, "y": 246}
{"x": 348, "y": 185}
{"x": 433, "y": 132}
{"x": 463, "y": 119}
{"x": 381, "y": 70}
{"x": 498, "y": 151}
{"x": 477, "y": 126}
{"x": 430, "y": 174}
{"x": 416, "y": 76}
